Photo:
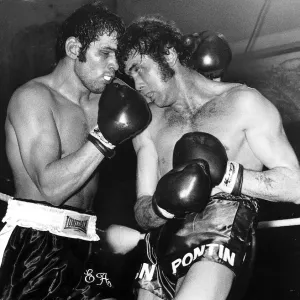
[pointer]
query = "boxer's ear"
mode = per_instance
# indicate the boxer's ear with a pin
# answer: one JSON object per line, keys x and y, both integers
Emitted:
{"x": 171, "y": 56}
{"x": 72, "y": 47}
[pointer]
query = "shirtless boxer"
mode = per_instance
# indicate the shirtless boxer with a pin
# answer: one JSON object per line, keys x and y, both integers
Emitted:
{"x": 196, "y": 255}
{"x": 57, "y": 133}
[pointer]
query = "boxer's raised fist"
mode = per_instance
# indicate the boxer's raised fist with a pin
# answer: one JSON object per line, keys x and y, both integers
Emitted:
{"x": 123, "y": 113}
{"x": 186, "y": 188}
{"x": 201, "y": 145}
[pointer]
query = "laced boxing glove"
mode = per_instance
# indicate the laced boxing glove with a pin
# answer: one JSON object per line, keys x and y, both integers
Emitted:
{"x": 123, "y": 113}
{"x": 225, "y": 174}
{"x": 211, "y": 53}
{"x": 186, "y": 188}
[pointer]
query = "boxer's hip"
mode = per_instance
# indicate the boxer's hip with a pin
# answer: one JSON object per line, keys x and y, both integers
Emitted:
{"x": 47, "y": 253}
{"x": 67, "y": 222}
{"x": 221, "y": 233}
{"x": 225, "y": 217}
{"x": 40, "y": 265}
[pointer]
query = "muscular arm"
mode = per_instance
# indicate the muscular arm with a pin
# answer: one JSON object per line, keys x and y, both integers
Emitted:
{"x": 147, "y": 178}
{"x": 267, "y": 139}
{"x": 56, "y": 178}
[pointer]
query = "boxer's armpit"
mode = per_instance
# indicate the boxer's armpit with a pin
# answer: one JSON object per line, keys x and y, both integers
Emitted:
{"x": 144, "y": 214}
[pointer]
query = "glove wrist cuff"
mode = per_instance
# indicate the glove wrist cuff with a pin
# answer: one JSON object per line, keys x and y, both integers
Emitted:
{"x": 160, "y": 212}
{"x": 107, "y": 152}
{"x": 96, "y": 133}
{"x": 233, "y": 179}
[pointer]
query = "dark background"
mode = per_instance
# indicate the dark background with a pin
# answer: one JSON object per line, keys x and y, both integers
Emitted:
{"x": 27, "y": 39}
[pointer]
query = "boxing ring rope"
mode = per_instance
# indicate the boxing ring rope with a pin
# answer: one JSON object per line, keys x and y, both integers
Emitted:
{"x": 261, "y": 224}
{"x": 278, "y": 223}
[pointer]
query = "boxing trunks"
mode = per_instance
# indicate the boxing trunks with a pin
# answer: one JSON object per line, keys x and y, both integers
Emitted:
{"x": 221, "y": 233}
{"x": 46, "y": 253}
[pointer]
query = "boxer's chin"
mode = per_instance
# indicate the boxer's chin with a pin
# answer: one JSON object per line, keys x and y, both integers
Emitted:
{"x": 97, "y": 89}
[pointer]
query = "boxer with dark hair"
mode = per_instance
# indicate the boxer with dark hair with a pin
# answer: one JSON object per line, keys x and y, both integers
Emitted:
{"x": 200, "y": 167}
{"x": 59, "y": 128}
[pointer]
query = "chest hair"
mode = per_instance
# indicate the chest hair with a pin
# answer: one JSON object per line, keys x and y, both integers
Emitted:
{"x": 191, "y": 120}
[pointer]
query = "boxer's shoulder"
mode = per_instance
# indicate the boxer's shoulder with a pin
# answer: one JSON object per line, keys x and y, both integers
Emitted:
{"x": 238, "y": 97}
{"x": 240, "y": 92}
{"x": 30, "y": 96}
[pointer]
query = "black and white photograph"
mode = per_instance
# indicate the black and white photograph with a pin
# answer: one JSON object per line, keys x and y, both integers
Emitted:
{"x": 150, "y": 150}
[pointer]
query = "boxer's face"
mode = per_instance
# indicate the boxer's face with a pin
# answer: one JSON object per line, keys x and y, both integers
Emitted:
{"x": 100, "y": 65}
{"x": 148, "y": 78}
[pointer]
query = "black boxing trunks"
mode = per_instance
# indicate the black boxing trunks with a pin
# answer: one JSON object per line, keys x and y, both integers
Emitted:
{"x": 221, "y": 233}
{"x": 46, "y": 253}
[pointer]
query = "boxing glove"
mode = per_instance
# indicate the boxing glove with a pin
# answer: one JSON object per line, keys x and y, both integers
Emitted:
{"x": 123, "y": 113}
{"x": 211, "y": 53}
{"x": 225, "y": 174}
{"x": 186, "y": 188}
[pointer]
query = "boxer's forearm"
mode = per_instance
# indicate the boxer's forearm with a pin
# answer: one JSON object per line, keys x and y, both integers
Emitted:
{"x": 145, "y": 215}
{"x": 277, "y": 185}
{"x": 64, "y": 177}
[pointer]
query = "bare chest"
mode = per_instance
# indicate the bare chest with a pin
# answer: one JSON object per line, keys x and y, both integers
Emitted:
{"x": 73, "y": 125}
{"x": 211, "y": 119}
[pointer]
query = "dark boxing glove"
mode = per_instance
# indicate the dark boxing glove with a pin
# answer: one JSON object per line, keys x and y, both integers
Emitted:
{"x": 186, "y": 188}
{"x": 191, "y": 41}
{"x": 225, "y": 174}
{"x": 211, "y": 53}
{"x": 123, "y": 113}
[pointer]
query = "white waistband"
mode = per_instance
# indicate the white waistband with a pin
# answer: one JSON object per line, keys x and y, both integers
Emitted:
{"x": 58, "y": 221}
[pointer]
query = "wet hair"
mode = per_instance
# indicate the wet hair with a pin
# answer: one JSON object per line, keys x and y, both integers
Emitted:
{"x": 152, "y": 35}
{"x": 86, "y": 24}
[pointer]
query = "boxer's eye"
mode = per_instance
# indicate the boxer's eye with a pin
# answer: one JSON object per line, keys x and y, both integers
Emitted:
{"x": 136, "y": 70}
{"x": 105, "y": 53}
